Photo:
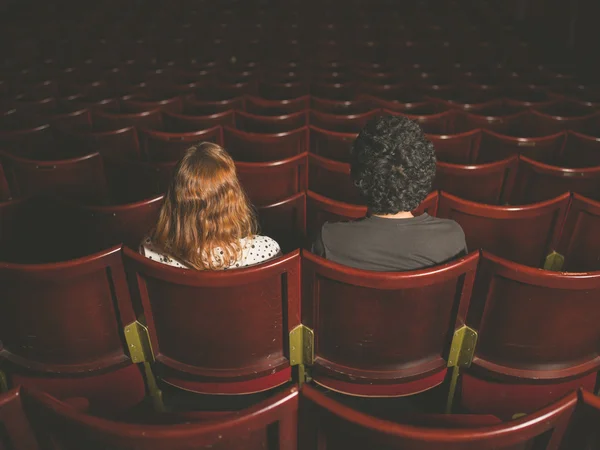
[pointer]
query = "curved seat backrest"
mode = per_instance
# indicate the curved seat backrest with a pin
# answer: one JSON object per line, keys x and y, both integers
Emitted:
{"x": 524, "y": 234}
{"x": 495, "y": 147}
{"x": 520, "y": 314}
{"x": 339, "y": 107}
{"x": 283, "y": 91}
{"x": 285, "y": 221}
{"x": 260, "y": 106}
{"x": 331, "y": 145}
{"x": 112, "y": 121}
{"x": 459, "y": 148}
{"x": 139, "y": 104}
{"x": 100, "y": 227}
{"x": 115, "y": 144}
{"x": 181, "y": 123}
{"x": 332, "y": 179}
{"x": 250, "y": 429}
{"x": 537, "y": 182}
{"x": 270, "y": 182}
{"x": 66, "y": 317}
{"x": 193, "y": 107}
{"x": 342, "y": 124}
{"x": 436, "y": 123}
{"x": 253, "y": 123}
{"x": 581, "y": 150}
{"x": 223, "y": 331}
{"x": 159, "y": 146}
{"x": 332, "y": 425}
{"x": 485, "y": 183}
{"x": 362, "y": 321}
{"x": 498, "y": 123}
{"x": 77, "y": 178}
{"x": 580, "y": 240}
{"x": 256, "y": 147}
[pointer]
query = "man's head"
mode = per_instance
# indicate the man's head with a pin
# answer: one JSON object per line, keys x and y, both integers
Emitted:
{"x": 393, "y": 165}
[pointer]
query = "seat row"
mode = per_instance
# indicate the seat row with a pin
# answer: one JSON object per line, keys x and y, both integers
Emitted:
{"x": 492, "y": 329}
{"x": 304, "y": 420}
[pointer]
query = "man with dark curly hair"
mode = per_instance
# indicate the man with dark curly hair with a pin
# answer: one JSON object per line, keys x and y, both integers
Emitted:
{"x": 393, "y": 167}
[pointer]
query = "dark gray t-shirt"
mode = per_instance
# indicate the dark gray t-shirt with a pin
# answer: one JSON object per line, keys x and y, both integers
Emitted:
{"x": 391, "y": 245}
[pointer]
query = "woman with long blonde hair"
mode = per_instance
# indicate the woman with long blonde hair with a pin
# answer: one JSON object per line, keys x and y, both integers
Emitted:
{"x": 206, "y": 221}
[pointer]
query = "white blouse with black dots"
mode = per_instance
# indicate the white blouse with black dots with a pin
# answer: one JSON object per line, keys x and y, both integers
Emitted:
{"x": 254, "y": 251}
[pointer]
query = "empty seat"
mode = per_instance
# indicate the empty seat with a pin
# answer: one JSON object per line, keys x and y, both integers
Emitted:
{"x": 273, "y": 181}
{"x": 524, "y": 234}
{"x": 332, "y": 425}
{"x": 495, "y": 146}
{"x": 135, "y": 103}
{"x": 78, "y": 178}
{"x": 113, "y": 121}
{"x": 537, "y": 181}
{"x": 180, "y": 123}
{"x": 581, "y": 150}
{"x": 459, "y": 148}
{"x": 116, "y": 144}
{"x": 260, "y": 106}
{"x": 497, "y": 121}
{"x": 195, "y": 107}
{"x": 253, "y": 123}
{"x": 537, "y": 337}
{"x": 282, "y": 91}
{"x": 361, "y": 318}
{"x": 580, "y": 241}
{"x": 100, "y": 227}
{"x": 341, "y": 124}
{"x": 250, "y": 428}
{"x": 485, "y": 183}
{"x": 553, "y": 119}
{"x": 333, "y": 90}
{"x": 330, "y": 144}
{"x": 436, "y": 123}
{"x": 340, "y": 107}
{"x": 249, "y": 312}
{"x": 258, "y": 147}
{"x": 35, "y": 141}
{"x": 332, "y": 179}
{"x": 159, "y": 146}
{"x": 65, "y": 347}
{"x": 284, "y": 221}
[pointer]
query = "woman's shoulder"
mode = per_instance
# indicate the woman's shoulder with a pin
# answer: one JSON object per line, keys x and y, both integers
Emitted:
{"x": 150, "y": 251}
{"x": 260, "y": 248}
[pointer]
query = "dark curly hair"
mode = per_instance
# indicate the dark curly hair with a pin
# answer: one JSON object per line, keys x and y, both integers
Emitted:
{"x": 393, "y": 164}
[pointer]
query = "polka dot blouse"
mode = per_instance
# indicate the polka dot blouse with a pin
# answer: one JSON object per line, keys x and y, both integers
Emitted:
{"x": 254, "y": 251}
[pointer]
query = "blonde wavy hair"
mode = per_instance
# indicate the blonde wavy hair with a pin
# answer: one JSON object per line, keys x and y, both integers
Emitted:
{"x": 205, "y": 208}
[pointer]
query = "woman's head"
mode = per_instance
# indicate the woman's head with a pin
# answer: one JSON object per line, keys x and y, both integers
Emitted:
{"x": 205, "y": 208}
{"x": 393, "y": 165}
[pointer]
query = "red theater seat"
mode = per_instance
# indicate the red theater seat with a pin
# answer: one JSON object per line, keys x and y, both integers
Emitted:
{"x": 537, "y": 181}
{"x": 431, "y": 123}
{"x": 284, "y": 221}
{"x": 332, "y": 425}
{"x": 70, "y": 348}
{"x": 341, "y": 124}
{"x": 159, "y": 146}
{"x": 459, "y": 148}
{"x": 282, "y": 91}
{"x": 253, "y": 123}
{"x": 249, "y": 312}
{"x": 332, "y": 179}
{"x": 250, "y": 428}
{"x": 260, "y": 106}
{"x": 180, "y": 123}
{"x": 355, "y": 316}
{"x": 581, "y": 150}
{"x": 196, "y": 107}
{"x": 524, "y": 234}
{"x": 134, "y": 104}
{"x": 525, "y": 357}
{"x": 77, "y": 178}
{"x": 485, "y": 183}
{"x": 113, "y": 121}
{"x": 258, "y": 147}
{"x": 116, "y": 144}
{"x": 340, "y": 107}
{"x": 499, "y": 122}
{"x": 495, "y": 146}
{"x": 330, "y": 144}
{"x": 270, "y": 182}
{"x": 580, "y": 240}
